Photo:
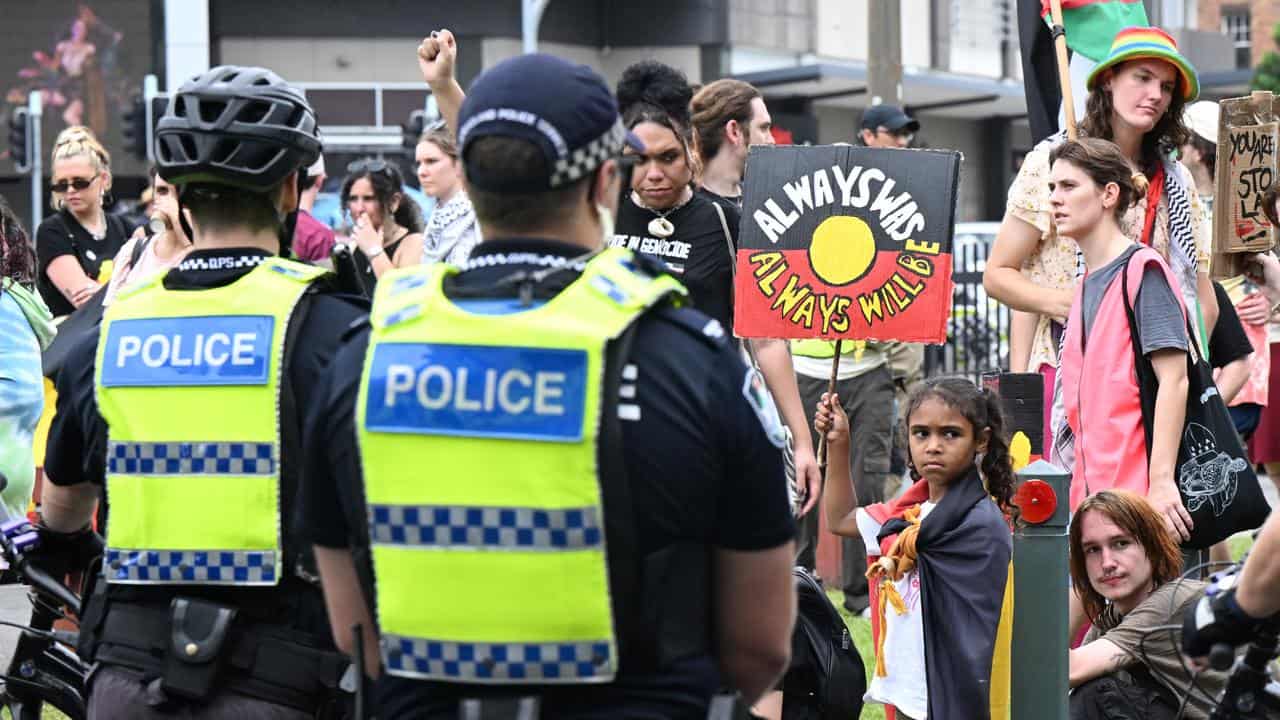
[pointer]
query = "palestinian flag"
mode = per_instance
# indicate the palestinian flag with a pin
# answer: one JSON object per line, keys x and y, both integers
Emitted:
{"x": 1091, "y": 25}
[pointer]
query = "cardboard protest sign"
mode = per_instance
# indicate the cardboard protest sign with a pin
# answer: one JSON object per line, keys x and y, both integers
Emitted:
{"x": 1248, "y": 130}
{"x": 842, "y": 242}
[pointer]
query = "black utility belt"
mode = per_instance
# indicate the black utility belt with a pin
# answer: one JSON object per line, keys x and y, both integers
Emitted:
{"x": 197, "y": 647}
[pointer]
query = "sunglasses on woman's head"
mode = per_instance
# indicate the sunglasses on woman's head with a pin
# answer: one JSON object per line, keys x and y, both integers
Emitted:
{"x": 372, "y": 165}
{"x": 74, "y": 184}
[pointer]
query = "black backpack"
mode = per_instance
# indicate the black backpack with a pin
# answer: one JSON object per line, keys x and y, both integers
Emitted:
{"x": 826, "y": 678}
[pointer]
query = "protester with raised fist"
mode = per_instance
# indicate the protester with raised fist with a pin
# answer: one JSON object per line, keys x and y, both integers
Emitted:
{"x": 451, "y": 233}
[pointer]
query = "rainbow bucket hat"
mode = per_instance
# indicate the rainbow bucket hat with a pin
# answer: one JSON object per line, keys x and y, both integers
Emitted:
{"x": 1149, "y": 42}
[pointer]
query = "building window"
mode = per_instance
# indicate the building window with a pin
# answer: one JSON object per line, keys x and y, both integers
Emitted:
{"x": 1235, "y": 25}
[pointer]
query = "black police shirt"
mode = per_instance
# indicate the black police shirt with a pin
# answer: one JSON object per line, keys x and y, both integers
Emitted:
{"x": 697, "y": 254}
{"x": 701, "y": 469}
{"x": 77, "y": 445}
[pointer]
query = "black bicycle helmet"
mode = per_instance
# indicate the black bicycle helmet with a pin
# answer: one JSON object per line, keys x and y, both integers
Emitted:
{"x": 239, "y": 126}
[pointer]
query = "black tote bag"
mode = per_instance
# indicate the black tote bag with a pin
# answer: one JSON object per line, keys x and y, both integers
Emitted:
{"x": 1215, "y": 478}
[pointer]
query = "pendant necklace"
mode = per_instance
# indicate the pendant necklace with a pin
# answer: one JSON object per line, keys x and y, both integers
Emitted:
{"x": 660, "y": 227}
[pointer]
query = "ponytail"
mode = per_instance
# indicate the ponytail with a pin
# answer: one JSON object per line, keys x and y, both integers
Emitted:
{"x": 997, "y": 464}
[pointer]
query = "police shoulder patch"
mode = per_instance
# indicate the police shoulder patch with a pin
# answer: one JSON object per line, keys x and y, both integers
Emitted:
{"x": 761, "y": 401}
{"x": 706, "y": 328}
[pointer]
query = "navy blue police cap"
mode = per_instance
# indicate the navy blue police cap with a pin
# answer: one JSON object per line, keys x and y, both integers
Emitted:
{"x": 564, "y": 108}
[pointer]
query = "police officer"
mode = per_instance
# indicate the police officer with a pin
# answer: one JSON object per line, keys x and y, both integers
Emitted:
{"x": 573, "y": 487}
{"x": 187, "y": 408}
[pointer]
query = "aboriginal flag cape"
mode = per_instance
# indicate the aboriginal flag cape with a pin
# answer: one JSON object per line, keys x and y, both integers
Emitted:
{"x": 963, "y": 555}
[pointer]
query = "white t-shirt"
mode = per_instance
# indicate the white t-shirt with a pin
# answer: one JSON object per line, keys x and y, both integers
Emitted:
{"x": 905, "y": 684}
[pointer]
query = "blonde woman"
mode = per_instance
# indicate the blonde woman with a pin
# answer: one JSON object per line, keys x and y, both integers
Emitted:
{"x": 73, "y": 244}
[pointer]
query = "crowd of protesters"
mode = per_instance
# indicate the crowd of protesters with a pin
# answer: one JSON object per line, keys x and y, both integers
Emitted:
{"x": 1103, "y": 255}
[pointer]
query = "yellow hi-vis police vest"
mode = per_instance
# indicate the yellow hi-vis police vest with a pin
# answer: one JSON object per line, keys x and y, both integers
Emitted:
{"x": 823, "y": 349}
{"x": 188, "y": 383}
{"x": 478, "y": 438}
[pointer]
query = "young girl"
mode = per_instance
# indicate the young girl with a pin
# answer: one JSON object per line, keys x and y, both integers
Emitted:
{"x": 946, "y": 540}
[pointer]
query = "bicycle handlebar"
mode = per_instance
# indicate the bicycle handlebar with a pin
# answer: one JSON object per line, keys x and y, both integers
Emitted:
{"x": 12, "y": 547}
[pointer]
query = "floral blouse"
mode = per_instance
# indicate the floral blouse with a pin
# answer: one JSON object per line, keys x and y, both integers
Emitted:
{"x": 1053, "y": 264}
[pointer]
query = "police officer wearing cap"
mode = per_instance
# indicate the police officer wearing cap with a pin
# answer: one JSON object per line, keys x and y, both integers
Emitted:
{"x": 187, "y": 409}
{"x": 554, "y": 485}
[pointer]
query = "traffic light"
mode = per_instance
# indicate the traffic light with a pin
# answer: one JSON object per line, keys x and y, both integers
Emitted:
{"x": 18, "y": 136}
{"x": 135, "y": 127}
{"x": 413, "y": 129}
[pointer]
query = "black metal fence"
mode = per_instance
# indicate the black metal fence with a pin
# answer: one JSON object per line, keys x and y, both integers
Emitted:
{"x": 978, "y": 332}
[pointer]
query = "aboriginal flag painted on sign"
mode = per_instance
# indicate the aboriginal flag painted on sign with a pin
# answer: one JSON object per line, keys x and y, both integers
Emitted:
{"x": 843, "y": 242}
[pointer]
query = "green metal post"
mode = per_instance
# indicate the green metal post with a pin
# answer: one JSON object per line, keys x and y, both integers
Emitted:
{"x": 1040, "y": 590}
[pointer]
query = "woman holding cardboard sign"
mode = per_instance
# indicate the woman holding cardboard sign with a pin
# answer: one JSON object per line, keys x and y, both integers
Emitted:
{"x": 1136, "y": 100}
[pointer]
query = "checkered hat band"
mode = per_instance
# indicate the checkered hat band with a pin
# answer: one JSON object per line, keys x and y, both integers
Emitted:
{"x": 191, "y": 567}
{"x": 498, "y": 662}
{"x": 578, "y": 163}
{"x": 191, "y": 458}
{"x": 486, "y": 528}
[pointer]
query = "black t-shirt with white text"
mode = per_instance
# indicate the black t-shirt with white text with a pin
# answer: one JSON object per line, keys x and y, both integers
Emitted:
{"x": 697, "y": 254}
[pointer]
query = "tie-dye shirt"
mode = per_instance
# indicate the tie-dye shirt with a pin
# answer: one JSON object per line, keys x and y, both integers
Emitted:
{"x": 21, "y": 402}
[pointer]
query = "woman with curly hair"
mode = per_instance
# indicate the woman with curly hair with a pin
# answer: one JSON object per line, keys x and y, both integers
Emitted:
{"x": 26, "y": 328}
{"x": 662, "y": 217}
{"x": 1136, "y": 100}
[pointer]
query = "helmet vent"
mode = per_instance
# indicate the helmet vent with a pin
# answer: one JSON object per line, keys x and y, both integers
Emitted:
{"x": 188, "y": 147}
{"x": 223, "y": 151}
{"x": 211, "y": 110}
{"x": 255, "y": 112}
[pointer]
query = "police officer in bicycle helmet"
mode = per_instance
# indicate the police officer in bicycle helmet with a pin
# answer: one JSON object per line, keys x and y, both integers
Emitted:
{"x": 186, "y": 408}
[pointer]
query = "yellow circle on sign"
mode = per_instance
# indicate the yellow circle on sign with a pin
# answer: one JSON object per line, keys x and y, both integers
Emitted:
{"x": 842, "y": 250}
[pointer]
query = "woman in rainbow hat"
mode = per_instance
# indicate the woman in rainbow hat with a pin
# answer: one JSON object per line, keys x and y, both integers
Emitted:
{"x": 1136, "y": 100}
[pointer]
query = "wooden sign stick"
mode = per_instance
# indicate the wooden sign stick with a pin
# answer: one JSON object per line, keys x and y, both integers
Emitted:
{"x": 831, "y": 388}
{"x": 1064, "y": 72}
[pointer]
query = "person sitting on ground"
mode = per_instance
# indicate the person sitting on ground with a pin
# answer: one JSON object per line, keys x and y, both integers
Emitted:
{"x": 1125, "y": 568}
{"x": 452, "y": 231}
{"x": 943, "y": 550}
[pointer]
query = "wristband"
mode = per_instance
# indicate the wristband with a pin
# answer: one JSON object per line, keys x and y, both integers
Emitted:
{"x": 371, "y": 255}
